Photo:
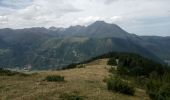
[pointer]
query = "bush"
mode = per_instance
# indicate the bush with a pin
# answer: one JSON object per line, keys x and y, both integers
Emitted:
{"x": 136, "y": 65}
{"x": 122, "y": 71}
{"x": 7, "y": 72}
{"x": 81, "y": 66}
{"x": 55, "y": 78}
{"x": 164, "y": 92}
{"x": 4, "y": 72}
{"x": 112, "y": 61}
{"x": 71, "y": 96}
{"x": 152, "y": 88}
{"x": 158, "y": 89}
{"x": 113, "y": 70}
{"x": 117, "y": 85}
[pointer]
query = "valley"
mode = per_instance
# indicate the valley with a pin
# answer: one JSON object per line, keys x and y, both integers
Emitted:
{"x": 53, "y": 48}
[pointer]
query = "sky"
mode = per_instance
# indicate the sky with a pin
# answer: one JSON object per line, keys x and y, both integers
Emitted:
{"x": 142, "y": 17}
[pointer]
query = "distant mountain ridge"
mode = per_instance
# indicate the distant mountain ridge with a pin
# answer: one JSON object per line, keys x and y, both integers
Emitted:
{"x": 55, "y": 47}
{"x": 98, "y": 29}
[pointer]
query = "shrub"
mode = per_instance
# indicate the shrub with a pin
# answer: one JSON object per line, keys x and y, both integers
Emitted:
{"x": 113, "y": 70}
{"x": 55, "y": 78}
{"x": 152, "y": 88}
{"x": 71, "y": 66}
{"x": 81, "y": 66}
{"x": 158, "y": 90}
{"x": 112, "y": 61}
{"x": 122, "y": 71}
{"x": 137, "y": 65}
{"x": 7, "y": 72}
{"x": 117, "y": 85}
{"x": 71, "y": 96}
{"x": 4, "y": 72}
{"x": 164, "y": 92}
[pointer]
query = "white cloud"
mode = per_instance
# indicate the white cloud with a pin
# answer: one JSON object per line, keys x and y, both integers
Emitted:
{"x": 15, "y": 4}
{"x": 3, "y": 20}
{"x": 86, "y": 20}
{"x": 130, "y": 14}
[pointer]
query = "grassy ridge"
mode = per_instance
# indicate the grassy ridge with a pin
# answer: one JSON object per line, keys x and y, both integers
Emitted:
{"x": 117, "y": 55}
{"x": 80, "y": 83}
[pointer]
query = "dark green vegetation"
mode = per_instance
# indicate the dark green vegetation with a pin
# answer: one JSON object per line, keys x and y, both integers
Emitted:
{"x": 55, "y": 78}
{"x": 135, "y": 65}
{"x": 71, "y": 96}
{"x": 134, "y": 71}
{"x": 158, "y": 87}
{"x": 142, "y": 73}
{"x": 118, "y": 85}
{"x": 56, "y": 47}
{"x": 130, "y": 60}
{"x": 4, "y": 72}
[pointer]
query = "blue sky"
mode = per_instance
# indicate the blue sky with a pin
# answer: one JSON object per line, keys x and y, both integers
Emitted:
{"x": 142, "y": 17}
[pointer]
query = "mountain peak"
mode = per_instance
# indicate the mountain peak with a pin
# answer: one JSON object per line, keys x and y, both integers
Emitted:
{"x": 103, "y": 24}
{"x": 103, "y": 29}
{"x": 100, "y": 22}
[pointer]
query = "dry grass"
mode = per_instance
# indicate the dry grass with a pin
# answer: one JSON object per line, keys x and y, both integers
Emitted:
{"x": 88, "y": 82}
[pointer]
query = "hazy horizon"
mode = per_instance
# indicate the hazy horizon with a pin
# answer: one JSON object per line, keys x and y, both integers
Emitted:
{"x": 147, "y": 17}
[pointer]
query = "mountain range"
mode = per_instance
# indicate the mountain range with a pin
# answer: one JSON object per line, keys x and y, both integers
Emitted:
{"x": 53, "y": 48}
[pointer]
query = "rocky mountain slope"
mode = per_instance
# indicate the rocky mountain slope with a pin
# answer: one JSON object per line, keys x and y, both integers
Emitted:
{"x": 55, "y": 47}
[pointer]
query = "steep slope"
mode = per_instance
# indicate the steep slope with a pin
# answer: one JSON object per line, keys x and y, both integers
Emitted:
{"x": 55, "y": 47}
{"x": 98, "y": 29}
{"x": 158, "y": 45}
{"x": 101, "y": 29}
{"x": 20, "y": 46}
{"x": 58, "y": 52}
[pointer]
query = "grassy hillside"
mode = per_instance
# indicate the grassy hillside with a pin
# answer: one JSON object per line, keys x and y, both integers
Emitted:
{"x": 82, "y": 83}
